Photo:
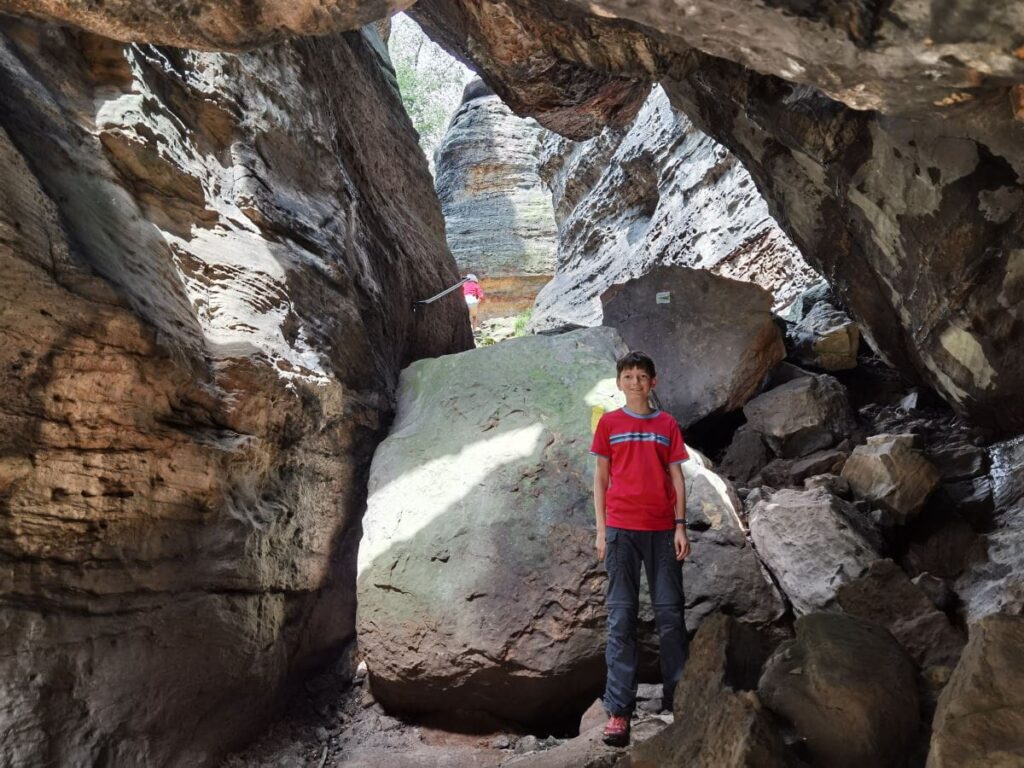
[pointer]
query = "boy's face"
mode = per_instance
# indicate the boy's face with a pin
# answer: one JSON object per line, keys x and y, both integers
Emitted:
{"x": 636, "y": 383}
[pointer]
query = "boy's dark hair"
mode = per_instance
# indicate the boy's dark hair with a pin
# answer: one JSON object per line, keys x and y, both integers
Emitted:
{"x": 635, "y": 359}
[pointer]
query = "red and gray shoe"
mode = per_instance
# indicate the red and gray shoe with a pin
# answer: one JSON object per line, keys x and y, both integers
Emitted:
{"x": 616, "y": 732}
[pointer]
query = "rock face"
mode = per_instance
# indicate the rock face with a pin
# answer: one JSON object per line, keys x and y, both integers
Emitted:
{"x": 993, "y": 579}
{"x": 204, "y": 303}
{"x": 661, "y": 193}
{"x": 910, "y": 202}
{"x": 804, "y": 415}
{"x": 980, "y": 719}
{"x": 209, "y": 24}
{"x": 808, "y": 541}
{"x": 890, "y": 472}
{"x": 498, "y": 212}
{"x": 849, "y": 690}
{"x": 718, "y": 719}
{"x": 713, "y": 339}
{"x": 478, "y": 585}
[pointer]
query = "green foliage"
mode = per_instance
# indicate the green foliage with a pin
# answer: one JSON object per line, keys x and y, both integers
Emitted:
{"x": 429, "y": 80}
{"x": 522, "y": 319}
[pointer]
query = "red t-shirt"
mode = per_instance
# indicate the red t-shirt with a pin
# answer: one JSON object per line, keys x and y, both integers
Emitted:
{"x": 640, "y": 449}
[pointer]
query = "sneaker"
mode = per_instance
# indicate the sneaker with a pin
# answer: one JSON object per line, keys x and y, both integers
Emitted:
{"x": 616, "y": 732}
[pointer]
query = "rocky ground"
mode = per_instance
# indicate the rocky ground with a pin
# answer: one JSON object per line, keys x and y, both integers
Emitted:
{"x": 335, "y": 721}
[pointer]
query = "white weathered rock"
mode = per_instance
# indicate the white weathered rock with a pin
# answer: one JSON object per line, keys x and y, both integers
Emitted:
{"x": 803, "y": 415}
{"x": 713, "y": 339}
{"x": 993, "y": 580}
{"x": 808, "y": 542}
{"x": 660, "y": 193}
{"x": 890, "y": 472}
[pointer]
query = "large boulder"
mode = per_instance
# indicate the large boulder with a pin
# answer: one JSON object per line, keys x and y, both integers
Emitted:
{"x": 810, "y": 542}
{"x": 889, "y": 472}
{"x": 719, "y": 722}
{"x": 849, "y": 690}
{"x": 801, "y": 416}
{"x": 478, "y": 587}
{"x": 661, "y": 193}
{"x": 980, "y": 717}
{"x": 884, "y": 595}
{"x": 713, "y": 338}
{"x": 498, "y": 215}
{"x": 724, "y": 573}
{"x": 478, "y": 584}
{"x": 200, "y": 337}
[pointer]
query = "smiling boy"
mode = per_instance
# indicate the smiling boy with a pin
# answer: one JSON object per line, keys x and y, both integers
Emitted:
{"x": 640, "y": 505}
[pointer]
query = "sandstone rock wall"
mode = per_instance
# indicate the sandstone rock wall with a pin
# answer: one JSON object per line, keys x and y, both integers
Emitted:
{"x": 661, "y": 193}
{"x": 498, "y": 215}
{"x": 206, "y": 270}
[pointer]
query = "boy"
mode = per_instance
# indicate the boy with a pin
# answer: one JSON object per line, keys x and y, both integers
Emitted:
{"x": 640, "y": 504}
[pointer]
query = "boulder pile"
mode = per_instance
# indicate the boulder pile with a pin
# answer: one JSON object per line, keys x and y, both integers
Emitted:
{"x": 835, "y": 577}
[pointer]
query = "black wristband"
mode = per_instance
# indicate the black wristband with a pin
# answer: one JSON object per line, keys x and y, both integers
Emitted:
{"x": 680, "y": 521}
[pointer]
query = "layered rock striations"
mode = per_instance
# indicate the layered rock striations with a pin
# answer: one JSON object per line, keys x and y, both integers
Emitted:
{"x": 208, "y": 263}
{"x": 913, "y": 213}
{"x": 208, "y": 24}
{"x": 661, "y": 193}
{"x": 498, "y": 213}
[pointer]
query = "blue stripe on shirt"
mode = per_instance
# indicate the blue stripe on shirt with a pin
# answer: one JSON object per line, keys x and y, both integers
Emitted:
{"x": 640, "y": 437}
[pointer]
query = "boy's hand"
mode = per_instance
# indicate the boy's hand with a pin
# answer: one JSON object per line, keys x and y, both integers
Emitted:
{"x": 682, "y": 543}
{"x": 599, "y": 545}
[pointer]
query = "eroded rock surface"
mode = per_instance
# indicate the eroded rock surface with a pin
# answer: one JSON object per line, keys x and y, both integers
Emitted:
{"x": 208, "y": 24}
{"x": 661, "y": 193}
{"x": 719, "y": 721}
{"x": 801, "y": 416}
{"x": 890, "y": 472}
{"x": 205, "y": 302}
{"x": 498, "y": 215}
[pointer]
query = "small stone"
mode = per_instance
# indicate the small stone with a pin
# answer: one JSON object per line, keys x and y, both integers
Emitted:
{"x": 322, "y": 734}
{"x": 501, "y": 742}
{"x": 527, "y": 744}
{"x": 361, "y": 671}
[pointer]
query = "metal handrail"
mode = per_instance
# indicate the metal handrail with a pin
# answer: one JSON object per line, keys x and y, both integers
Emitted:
{"x": 435, "y": 297}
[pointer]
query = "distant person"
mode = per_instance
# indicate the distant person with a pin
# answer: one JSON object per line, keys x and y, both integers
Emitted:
{"x": 474, "y": 295}
{"x": 640, "y": 505}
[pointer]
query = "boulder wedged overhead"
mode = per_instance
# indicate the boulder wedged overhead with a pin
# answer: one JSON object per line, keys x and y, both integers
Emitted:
{"x": 914, "y": 213}
{"x": 204, "y": 304}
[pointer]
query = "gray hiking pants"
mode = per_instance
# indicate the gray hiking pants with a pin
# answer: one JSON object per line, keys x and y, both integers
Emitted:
{"x": 625, "y": 552}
